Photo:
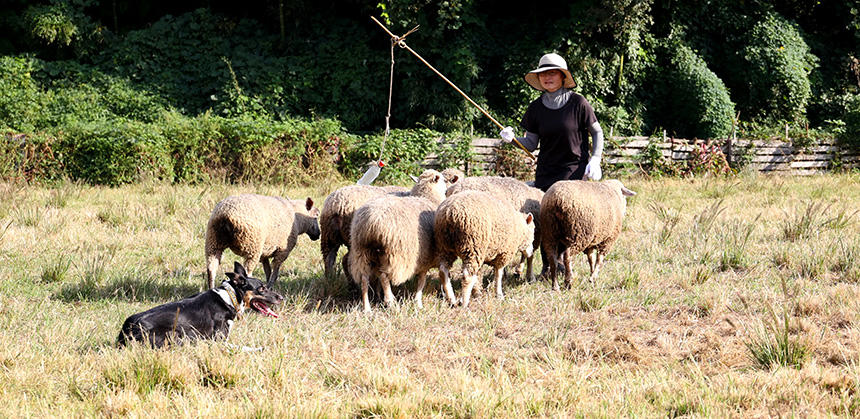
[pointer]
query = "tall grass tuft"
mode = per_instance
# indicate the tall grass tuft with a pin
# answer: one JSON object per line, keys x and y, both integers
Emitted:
{"x": 773, "y": 346}
{"x": 704, "y": 221}
{"x": 734, "y": 253}
{"x": 847, "y": 263}
{"x": 63, "y": 194}
{"x": 56, "y": 270}
{"x": 670, "y": 218}
{"x": 149, "y": 371}
{"x": 841, "y": 220}
{"x": 29, "y": 216}
{"x": 804, "y": 221}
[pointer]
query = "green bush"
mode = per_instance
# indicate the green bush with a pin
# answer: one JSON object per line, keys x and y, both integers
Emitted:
{"x": 20, "y": 99}
{"x": 404, "y": 152}
{"x": 778, "y": 65}
{"x": 851, "y": 133}
{"x": 688, "y": 97}
{"x": 115, "y": 152}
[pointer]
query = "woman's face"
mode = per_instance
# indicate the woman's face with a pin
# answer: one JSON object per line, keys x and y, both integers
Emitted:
{"x": 551, "y": 80}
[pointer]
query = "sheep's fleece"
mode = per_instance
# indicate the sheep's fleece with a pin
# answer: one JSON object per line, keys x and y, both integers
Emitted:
{"x": 581, "y": 216}
{"x": 257, "y": 227}
{"x": 478, "y": 228}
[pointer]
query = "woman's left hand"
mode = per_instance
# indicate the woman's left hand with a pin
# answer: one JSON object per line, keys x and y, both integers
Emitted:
{"x": 592, "y": 169}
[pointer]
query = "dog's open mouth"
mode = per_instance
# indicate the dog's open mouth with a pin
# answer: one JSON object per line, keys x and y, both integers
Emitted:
{"x": 263, "y": 308}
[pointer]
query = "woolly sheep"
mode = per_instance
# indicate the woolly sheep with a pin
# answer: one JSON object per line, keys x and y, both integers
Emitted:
{"x": 581, "y": 216}
{"x": 258, "y": 227}
{"x": 339, "y": 207}
{"x": 478, "y": 228}
{"x": 392, "y": 240}
{"x": 522, "y": 197}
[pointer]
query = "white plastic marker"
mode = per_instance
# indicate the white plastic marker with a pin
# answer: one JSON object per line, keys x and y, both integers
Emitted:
{"x": 370, "y": 175}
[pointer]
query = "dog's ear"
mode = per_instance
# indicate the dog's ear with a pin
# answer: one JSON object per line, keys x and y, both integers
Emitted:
{"x": 239, "y": 269}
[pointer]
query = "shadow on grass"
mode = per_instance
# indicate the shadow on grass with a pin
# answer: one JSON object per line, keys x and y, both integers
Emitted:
{"x": 127, "y": 287}
{"x": 339, "y": 294}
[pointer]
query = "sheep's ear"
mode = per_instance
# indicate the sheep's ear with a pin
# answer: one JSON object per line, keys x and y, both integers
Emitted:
{"x": 309, "y": 203}
{"x": 529, "y": 218}
{"x": 436, "y": 178}
{"x": 627, "y": 192}
{"x": 414, "y": 179}
{"x": 455, "y": 179}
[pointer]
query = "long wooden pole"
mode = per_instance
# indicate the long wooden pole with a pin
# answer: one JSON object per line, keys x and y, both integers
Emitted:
{"x": 399, "y": 41}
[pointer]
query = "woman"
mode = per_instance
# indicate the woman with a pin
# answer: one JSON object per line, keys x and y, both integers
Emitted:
{"x": 559, "y": 121}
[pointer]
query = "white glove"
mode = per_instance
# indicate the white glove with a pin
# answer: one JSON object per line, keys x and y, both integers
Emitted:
{"x": 592, "y": 169}
{"x": 507, "y": 134}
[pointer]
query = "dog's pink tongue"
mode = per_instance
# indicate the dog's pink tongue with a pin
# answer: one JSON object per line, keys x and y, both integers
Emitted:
{"x": 265, "y": 309}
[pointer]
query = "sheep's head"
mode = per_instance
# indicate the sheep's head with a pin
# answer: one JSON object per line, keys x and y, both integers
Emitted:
{"x": 619, "y": 188}
{"x": 527, "y": 248}
{"x": 452, "y": 176}
{"x": 309, "y": 214}
{"x": 430, "y": 185}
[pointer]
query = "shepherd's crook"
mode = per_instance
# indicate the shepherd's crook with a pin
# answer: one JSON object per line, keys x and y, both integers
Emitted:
{"x": 399, "y": 41}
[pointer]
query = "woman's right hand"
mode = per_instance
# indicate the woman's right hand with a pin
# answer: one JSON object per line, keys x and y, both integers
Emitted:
{"x": 507, "y": 134}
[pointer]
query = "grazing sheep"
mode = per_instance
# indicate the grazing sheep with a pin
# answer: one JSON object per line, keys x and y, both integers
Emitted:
{"x": 392, "y": 240}
{"x": 257, "y": 227}
{"x": 580, "y": 216}
{"x": 522, "y": 197}
{"x": 479, "y": 228}
{"x": 336, "y": 216}
{"x": 340, "y": 205}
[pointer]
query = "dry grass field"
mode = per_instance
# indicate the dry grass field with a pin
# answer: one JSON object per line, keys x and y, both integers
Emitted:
{"x": 723, "y": 297}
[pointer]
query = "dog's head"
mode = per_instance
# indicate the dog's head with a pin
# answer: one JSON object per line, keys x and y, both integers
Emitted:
{"x": 253, "y": 292}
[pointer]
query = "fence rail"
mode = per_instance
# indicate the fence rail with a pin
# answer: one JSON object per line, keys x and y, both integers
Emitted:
{"x": 775, "y": 155}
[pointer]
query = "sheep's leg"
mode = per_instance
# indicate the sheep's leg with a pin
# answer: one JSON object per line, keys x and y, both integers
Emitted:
{"x": 598, "y": 263}
{"x": 567, "y": 259}
{"x": 365, "y": 284}
{"x": 521, "y": 267}
{"x": 267, "y": 269}
{"x": 446, "y": 282}
{"x": 470, "y": 277}
{"x": 499, "y": 273}
{"x": 530, "y": 275}
{"x": 329, "y": 254}
{"x": 591, "y": 253}
{"x": 212, "y": 262}
{"x": 277, "y": 260}
{"x": 419, "y": 290}
{"x": 385, "y": 281}
{"x": 345, "y": 264}
{"x": 251, "y": 262}
{"x": 552, "y": 261}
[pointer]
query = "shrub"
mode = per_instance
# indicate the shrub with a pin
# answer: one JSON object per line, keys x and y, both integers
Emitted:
{"x": 691, "y": 100}
{"x": 20, "y": 100}
{"x": 850, "y": 135}
{"x": 778, "y": 65}
{"x": 115, "y": 152}
{"x": 404, "y": 151}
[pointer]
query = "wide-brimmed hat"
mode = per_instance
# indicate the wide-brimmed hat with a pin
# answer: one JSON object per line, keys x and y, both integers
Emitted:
{"x": 548, "y": 62}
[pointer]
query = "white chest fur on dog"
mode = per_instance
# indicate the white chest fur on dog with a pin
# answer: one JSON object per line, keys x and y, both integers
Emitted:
{"x": 228, "y": 294}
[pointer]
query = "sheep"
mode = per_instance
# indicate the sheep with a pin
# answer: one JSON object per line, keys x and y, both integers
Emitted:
{"x": 392, "y": 240}
{"x": 581, "y": 216}
{"x": 479, "y": 229}
{"x": 258, "y": 227}
{"x": 340, "y": 205}
{"x": 336, "y": 216}
{"x": 522, "y": 197}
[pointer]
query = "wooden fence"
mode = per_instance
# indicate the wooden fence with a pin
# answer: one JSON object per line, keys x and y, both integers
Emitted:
{"x": 775, "y": 155}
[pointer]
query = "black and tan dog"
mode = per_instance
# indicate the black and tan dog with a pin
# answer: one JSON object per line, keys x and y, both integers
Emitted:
{"x": 206, "y": 315}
